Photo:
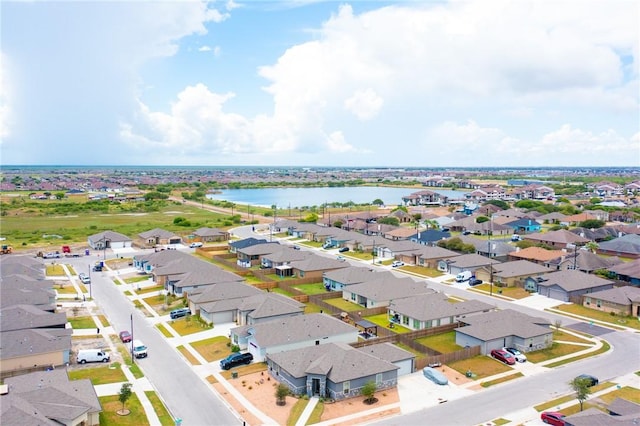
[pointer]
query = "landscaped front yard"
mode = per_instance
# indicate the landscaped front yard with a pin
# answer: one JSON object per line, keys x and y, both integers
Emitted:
{"x": 480, "y": 366}
{"x": 213, "y": 349}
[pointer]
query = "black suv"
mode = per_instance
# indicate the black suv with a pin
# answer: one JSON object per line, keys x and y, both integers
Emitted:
{"x": 235, "y": 359}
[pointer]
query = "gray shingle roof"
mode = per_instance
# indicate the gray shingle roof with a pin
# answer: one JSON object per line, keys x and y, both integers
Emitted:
{"x": 352, "y": 275}
{"x": 19, "y": 317}
{"x": 471, "y": 261}
{"x": 620, "y": 295}
{"x": 110, "y": 236}
{"x": 388, "y": 288}
{"x": 156, "y": 233}
{"x": 627, "y": 244}
{"x": 518, "y": 268}
{"x": 224, "y": 291}
{"x": 387, "y": 351}
{"x": 433, "y": 306}
{"x": 267, "y": 305}
{"x": 34, "y": 341}
{"x": 338, "y": 361}
{"x": 571, "y": 280}
{"x": 297, "y": 328}
{"x": 498, "y": 324}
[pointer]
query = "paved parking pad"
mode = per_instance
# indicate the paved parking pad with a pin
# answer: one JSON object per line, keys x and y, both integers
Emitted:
{"x": 417, "y": 392}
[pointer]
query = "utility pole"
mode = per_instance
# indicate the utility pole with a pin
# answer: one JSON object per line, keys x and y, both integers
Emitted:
{"x": 133, "y": 359}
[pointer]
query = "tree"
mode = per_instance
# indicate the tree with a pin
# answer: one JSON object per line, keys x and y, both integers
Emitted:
{"x": 377, "y": 202}
{"x": 592, "y": 246}
{"x": 368, "y": 390}
{"x": 558, "y": 324}
{"x": 581, "y": 387}
{"x": 389, "y": 220}
{"x": 281, "y": 394}
{"x": 592, "y": 223}
{"x": 124, "y": 395}
{"x": 499, "y": 203}
{"x": 482, "y": 219}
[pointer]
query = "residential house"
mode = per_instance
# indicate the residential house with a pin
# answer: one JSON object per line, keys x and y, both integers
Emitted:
{"x": 20, "y": 317}
{"x": 566, "y": 286}
{"x": 266, "y": 307}
{"x": 429, "y": 256}
{"x": 109, "y": 239}
{"x": 158, "y": 236}
{"x": 432, "y": 309}
{"x": 49, "y": 398}
{"x": 404, "y": 360}
{"x": 510, "y": 328}
{"x": 280, "y": 257}
{"x": 627, "y": 246}
{"x": 524, "y": 225}
{"x": 536, "y": 254}
{"x": 597, "y": 234}
{"x": 465, "y": 262}
{"x": 627, "y": 272}
{"x": 292, "y": 332}
{"x": 17, "y": 290}
{"x": 423, "y": 198}
{"x": 221, "y": 302}
{"x": 512, "y": 214}
{"x": 337, "y": 279}
{"x": 554, "y": 217}
{"x": 210, "y": 235}
{"x": 511, "y": 274}
{"x": 583, "y": 260}
{"x": 620, "y": 412}
{"x": 429, "y": 237}
{"x": 400, "y": 233}
{"x": 494, "y": 249}
{"x": 252, "y": 255}
{"x": 381, "y": 290}
{"x": 25, "y": 266}
{"x": 315, "y": 266}
{"x": 34, "y": 348}
{"x": 623, "y": 300}
{"x": 333, "y": 370}
{"x": 557, "y": 239}
{"x": 234, "y": 246}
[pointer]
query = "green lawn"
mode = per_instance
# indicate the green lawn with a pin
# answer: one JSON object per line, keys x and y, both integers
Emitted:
{"x": 67, "y": 289}
{"x": 316, "y": 288}
{"x": 310, "y": 308}
{"x": 213, "y": 349}
{"x": 443, "y": 343}
{"x": 382, "y": 320}
{"x": 160, "y": 409}
{"x": 188, "y": 325}
{"x": 81, "y": 322}
{"x": 99, "y": 375}
{"x": 137, "y": 279}
{"x": 616, "y": 320}
{"x": 150, "y": 289}
{"x": 344, "y": 305}
{"x": 110, "y": 406}
{"x": 556, "y": 350}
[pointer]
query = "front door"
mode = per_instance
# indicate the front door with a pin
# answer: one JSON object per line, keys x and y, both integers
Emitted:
{"x": 315, "y": 386}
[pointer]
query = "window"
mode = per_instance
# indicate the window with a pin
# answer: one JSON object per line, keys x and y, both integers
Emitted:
{"x": 405, "y": 320}
{"x": 353, "y": 297}
{"x": 379, "y": 378}
{"x": 427, "y": 324}
{"x": 317, "y": 342}
{"x": 346, "y": 387}
{"x": 599, "y": 303}
{"x": 587, "y": 300}
{"x": 416, "y": 324}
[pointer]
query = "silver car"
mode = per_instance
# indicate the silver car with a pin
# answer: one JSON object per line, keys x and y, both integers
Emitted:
{"x": 519, "y": 356}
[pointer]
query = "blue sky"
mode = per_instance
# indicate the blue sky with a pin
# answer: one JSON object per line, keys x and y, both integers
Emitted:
{"x": 314, "y": 83}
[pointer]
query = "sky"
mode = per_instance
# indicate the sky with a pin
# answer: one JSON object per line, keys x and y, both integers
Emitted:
{"x": 487, "y": 83}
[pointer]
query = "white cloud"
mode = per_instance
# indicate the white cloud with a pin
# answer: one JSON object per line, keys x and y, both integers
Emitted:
{"x": 5, "y": 103}
{"x": 364, "y": 104}
{"x": 204, "y": 49}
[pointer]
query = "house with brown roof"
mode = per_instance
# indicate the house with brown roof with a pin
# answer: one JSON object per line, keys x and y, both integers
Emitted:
{"x": 536, "y": 255}
{"x": 623, "y": 300}
{"x": 465, "y": 262}
{"x": 511, "y": 274}
{"x": 627, "y": 246}
{"x": 158, "y": 236}
{"x": 429, "y": 257}
{"x": 556, "y": 239}
{"x": 210, "y": 235}
{"x": 583, "y": 260}
{"x": 400, "y": 233}
{"x": 567, "y": 286}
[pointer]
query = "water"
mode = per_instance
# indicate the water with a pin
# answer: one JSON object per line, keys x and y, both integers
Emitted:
{"x": 307, "y": 197}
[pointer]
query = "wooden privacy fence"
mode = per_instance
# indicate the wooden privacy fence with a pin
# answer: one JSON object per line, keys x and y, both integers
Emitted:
{"x": 447, "y": 358}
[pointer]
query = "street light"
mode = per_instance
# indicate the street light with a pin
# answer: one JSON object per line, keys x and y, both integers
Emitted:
{"x": 133, "y": 358}
{"x": 90, "y": 286}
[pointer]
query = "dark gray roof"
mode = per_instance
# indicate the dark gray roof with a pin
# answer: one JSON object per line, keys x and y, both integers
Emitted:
{"x": 267, "y": 305}
{"x": 34, "y": 341}
{"x": 433, "y": 306}
{"x": 19, "y": 317}
{"x": 338, "y": 361}
{"x": 156, "y": 233}
{"x": 585, "y": 260}
{"x": 572, "y": 280}
{"x": 239, "y": 244}
{"x": 224, "y": 291}
{"x": 42, "y": 298}
{"x": 498, "y": 324}
{"x": 471, "y": 261}
{"x": 429, "y": 252}
{"x": 209, "y": 232}
{"x": 497, "y": 248}
{"x": 297, "y": 328}
{"x": 352, "y": 275}
{"x": 624, "y": 295}
{"x": 627, "y": 244}
{"x": 629, "y": 269}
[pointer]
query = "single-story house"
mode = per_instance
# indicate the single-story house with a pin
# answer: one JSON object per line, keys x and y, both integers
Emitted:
{"x": 334, "y": 370}
{"x": 234, "y": 246}
{"x": 109, "y": 239}
{"x": 465, "y": 262}
{"x": 524, "y": 225}
{"x": 49, "y": 398}
{"x": 380, "y": 291}
{"x": 20, "y": 317}
{"x": 429, "y": 237}
{"x": 158, "y": 236}
{"x": 210, "y": 235}
{"x": 28, "y": 348}
{"x": 506, "y": 328}
{"x": 627, "y": 246}
{"x": 292, "y": 332}
{"x": 620, "y": 412}
{"x": 339, "y": 278}
{"x": 536, "y": 255}
{"x": 566, "y": 285}
{"x": 266, "y": 307}
{"x": 583, "y": 260}
{"x": 511, "y": 274}
{"x": 623, "y": 300}
{"x": 220, "y": 303}
{"x": 251, "y": 255}
{"x": 557, "y": 239}
{"x": 627, "y": 271}
{"x": 432, "y": 310}
{"x": 315, "y": 266}
{"x": 429, "y": 256}
{"x": 405, "y": 360}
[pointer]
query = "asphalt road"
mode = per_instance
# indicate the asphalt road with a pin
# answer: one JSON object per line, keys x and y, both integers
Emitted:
{"x": 185, "y": 394}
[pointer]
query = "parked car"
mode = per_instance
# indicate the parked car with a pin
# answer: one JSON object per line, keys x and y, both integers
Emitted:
{"x": 397, "y": 264}
{"x": 52, "y": 255}
{"x": 516, "y": 237}
{"x": 84, "y": 278}
{"x": 435, "y": 376}
{"x": 125, "y": 336}
{"x": 466, "y": 232}
{"x": 519, "y": 356}
{"x": 195, "y": 245}
{"x": 235, "y": 359}
{"x": 463, "y": 276}
{"x": 343, "y": 249}
{"x": 591, "y": 381}
{"x": 296, "y": 247}
{"x": 474, "y": 281}
{"x": 139, "y": 349}
{"x": 92, "y": 355}
{"x": 341, "y": 258}
{"x": 553, "y": 418}
{"x": 503, "y": 356}
{"x": 178, "y": 313}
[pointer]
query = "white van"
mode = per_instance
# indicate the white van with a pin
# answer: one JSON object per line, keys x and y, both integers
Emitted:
{"x": 93, "y": 355}
{"x": 139, "y": 349}
{"x": 463, "y": 276}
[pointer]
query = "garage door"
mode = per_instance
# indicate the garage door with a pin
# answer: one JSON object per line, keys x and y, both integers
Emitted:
{"x": 557, "y": 294}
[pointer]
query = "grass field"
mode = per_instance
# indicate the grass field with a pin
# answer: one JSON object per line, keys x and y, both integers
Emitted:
{"x": 99, "y": 375}
{"x": 480, "y": 366}
{"x": 212, "y": 349}
{"x": 443, "y": 343}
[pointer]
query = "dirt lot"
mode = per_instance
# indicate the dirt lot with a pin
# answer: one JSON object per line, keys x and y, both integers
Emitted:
{"x": 262, "y": 396}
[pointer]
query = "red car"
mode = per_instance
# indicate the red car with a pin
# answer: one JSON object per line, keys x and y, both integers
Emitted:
{"x": 125, "y": 336}
{"x": 503, "y": 356}
{"x": 553, "y": 418}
